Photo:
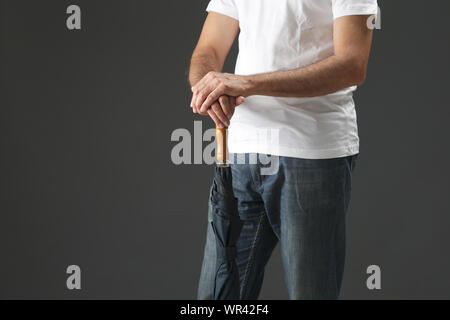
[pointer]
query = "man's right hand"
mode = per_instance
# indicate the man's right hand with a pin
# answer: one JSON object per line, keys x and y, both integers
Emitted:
{"x": 222, "y": 110}
{"x": 218, "y": 34}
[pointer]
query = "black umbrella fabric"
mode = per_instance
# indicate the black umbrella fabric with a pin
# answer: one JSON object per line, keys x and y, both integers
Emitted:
{"x": 227, "y": 227}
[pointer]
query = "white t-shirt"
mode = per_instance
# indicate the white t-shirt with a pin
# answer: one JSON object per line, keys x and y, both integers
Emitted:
{"x": 284, "y": 35}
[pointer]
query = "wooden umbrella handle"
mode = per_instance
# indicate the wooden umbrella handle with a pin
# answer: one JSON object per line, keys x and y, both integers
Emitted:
{"x": 221, "y": 151}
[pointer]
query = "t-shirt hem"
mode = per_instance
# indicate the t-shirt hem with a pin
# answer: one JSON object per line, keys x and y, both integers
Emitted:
{"x": 313, "y": 154}
{"x": 230, "y": 12}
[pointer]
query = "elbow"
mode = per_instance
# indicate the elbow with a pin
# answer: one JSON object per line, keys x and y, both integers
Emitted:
{"x": 354, "y": 68}
{"x": 358, "y": 72}
{"x": 360, "y": 76}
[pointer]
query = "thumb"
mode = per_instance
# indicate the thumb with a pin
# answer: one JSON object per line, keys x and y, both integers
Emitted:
{"x": 240, "y": 100}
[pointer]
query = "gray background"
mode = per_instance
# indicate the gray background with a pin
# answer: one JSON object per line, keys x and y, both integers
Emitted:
{"x": 86, "y": 176}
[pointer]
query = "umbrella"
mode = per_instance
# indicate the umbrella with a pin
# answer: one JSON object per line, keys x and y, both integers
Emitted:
{"x": 226, "y": 225}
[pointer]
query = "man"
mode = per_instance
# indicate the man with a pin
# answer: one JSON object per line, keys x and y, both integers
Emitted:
{"x": 298, "y": 66}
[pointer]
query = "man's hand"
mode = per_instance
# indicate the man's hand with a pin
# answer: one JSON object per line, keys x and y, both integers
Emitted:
{"x": 215, "y": 85}
{"x": 222, "y": 110}
{"x": 218, "y": 35}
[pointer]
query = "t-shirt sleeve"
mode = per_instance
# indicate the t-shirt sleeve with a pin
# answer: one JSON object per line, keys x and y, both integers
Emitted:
{"x": 354, "y": 7}
{"x": 226, "y": 7}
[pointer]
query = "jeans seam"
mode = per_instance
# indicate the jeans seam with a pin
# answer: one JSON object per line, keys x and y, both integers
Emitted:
{"x": 250, "y": 256}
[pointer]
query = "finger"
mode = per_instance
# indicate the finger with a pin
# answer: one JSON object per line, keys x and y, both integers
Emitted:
{"x": 216, "y": 107}
{"x": 203, "y": 89}
{"x": 194, "y": 98}
{"x": 227, "y": 105}
{"x": 202, "y": 94}
{"x": 240, "y": 100}
{"x": 192, "y": 104}
{"x": 195, "y": 93}
{"x": 212, "y": 97}
{"x": 216, "y": 120}
{"x": 203, "y": 113}
{"x": 195, "y": 87}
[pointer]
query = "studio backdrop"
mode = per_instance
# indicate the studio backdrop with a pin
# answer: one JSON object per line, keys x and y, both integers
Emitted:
{"x": 92, "y": 111}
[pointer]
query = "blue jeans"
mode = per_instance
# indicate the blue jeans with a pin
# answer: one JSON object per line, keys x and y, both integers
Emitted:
{"x": 303, "y": 205}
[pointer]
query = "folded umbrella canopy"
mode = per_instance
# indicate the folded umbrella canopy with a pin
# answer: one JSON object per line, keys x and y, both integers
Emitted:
{"x": 226, "y": 225}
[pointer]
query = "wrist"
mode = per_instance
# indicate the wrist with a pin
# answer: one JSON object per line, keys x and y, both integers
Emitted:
{"x": 249, "y": 86}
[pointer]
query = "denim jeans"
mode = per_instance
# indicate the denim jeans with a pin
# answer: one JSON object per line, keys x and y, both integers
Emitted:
{"x": 303, "y": 206}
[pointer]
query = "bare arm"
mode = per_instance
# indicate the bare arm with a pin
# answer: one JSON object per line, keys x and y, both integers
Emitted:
{"x": 216, "y": 39}
{"x": 345, "y": 68}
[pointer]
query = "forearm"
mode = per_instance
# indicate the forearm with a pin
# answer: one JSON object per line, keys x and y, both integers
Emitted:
{"x": 345, "y": 68}
{"x": 322, "y": 78}
{"x": 203, "y": 61}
